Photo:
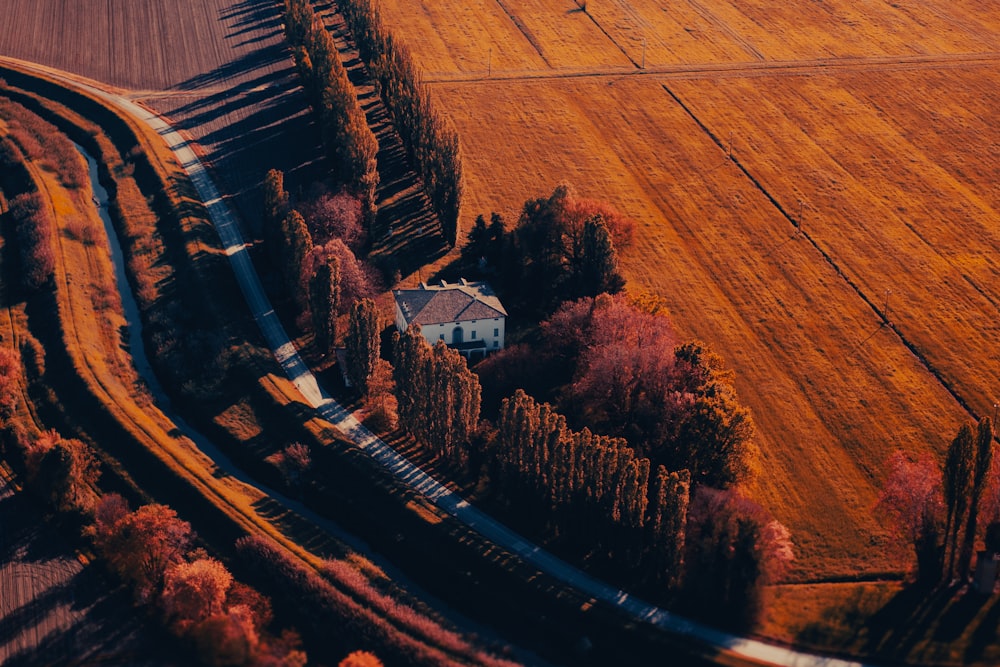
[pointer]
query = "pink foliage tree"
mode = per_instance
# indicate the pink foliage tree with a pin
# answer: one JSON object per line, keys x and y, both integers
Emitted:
{"x": 912, "y": 500}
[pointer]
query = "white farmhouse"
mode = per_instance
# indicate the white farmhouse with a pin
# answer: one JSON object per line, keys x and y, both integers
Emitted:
{"x": 466, "y": 316}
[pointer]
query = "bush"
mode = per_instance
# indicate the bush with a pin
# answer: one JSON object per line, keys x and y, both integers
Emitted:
{"x": 35, "y": 236}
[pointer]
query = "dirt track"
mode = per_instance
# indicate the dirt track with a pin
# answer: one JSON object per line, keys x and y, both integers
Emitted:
{"x": 805, "y": 67}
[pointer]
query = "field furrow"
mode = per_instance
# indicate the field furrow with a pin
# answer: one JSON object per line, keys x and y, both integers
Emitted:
{"x": 874, "y": 125}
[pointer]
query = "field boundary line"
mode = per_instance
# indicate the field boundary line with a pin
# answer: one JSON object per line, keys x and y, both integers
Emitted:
{"x": 226, "y": 225}
{"x": 733, "y": 69}
{"x": 828, "y": 258}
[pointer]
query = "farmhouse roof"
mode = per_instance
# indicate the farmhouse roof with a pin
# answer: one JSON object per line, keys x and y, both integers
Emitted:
{"x": 449, "y": 302}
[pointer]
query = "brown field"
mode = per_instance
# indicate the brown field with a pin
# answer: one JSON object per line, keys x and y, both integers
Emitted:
{"x": 882, "y": 119}
{"x": 217, "y": 68}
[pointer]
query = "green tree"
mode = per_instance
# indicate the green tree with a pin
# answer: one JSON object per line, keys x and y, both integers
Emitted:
{"x": 324, "y": 302}
{"x": 10, "y": 390}
{"x": 714, "y": 438}
{"x": 477, "y": 241}
{"x": 957, "y": 480}
{"x": 734, "y": 549}
{"x": 298, "y": 20}
{"x": 362, "y": 343}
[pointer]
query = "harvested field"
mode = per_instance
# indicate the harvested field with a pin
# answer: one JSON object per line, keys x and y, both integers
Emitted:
{"x": 218, "y": 69}
{"x": 56, "y": 610}
{"x": 894, "y": 159}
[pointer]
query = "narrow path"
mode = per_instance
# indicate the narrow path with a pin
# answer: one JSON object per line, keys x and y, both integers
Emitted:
{"x": 816, "y": 66}
{"x": 298, "y": 372}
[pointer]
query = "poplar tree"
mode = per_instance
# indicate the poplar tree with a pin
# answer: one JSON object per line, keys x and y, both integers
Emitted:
{"x": 324, "y": 301}
{"x": 983, "y": 462}
{"x": 958, "y": 466}
{"x": 275, "y": 208}
{"x": 438, "y": 396}
{"x": 669, "y": 518}
{"x": 362, "y": 344}
{"x": 409, "y": 349}
{"x": 296, "y": 247}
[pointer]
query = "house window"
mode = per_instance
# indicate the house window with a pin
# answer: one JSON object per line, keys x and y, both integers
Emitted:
{"x": 496, "y": 343}
{"x": 473, "y": 334}
{"x": 441, "y": 336}
{"x": 456, "y": 336}
{"x": 496, "y": 332}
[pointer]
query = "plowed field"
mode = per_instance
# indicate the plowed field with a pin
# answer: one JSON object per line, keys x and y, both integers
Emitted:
{"x": 217, "y": 68}
{"x": 874, "y": 124}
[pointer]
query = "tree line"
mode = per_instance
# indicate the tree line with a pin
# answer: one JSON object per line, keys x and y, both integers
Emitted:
{"x": 642, "y": 475}
{"x": 937, "y": 508}
{"x": 150, "y": 548}
{"x": 561, "y": 248}
{"x": 33, "y": 225}
{"x": 429, "y": 138}
{"x": 320, "y": 272}
{"x": 350, "y": 144}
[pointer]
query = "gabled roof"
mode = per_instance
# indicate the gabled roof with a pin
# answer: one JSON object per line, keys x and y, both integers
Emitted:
{"x": 448, "y": 302}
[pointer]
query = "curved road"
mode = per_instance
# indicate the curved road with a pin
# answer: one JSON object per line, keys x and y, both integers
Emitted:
{"x": 298, "y": 372}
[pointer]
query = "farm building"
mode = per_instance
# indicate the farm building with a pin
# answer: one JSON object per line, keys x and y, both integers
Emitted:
{"x": 466, "y": 316}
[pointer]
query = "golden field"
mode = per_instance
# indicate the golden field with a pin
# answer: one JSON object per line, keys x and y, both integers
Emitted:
{"x": 881, "y": 120}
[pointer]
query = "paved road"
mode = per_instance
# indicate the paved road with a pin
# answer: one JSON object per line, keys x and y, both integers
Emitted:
{"x": 298, "y": 372}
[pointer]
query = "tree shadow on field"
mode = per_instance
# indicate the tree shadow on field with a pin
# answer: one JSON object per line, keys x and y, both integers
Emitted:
{"x": 249, "y": 114}
{"x": 917, "y": 619}
{"x": 235, "y": 69}
{"x": 251, "y": 15}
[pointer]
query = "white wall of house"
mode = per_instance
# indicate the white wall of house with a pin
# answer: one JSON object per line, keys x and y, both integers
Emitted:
{"x": 491, "y": 330}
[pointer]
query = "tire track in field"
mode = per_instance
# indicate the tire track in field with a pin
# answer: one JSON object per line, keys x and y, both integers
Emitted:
{"x": 828, "y": 258}
{"x": 523, "y": 29}
{"x": 726, "y": 29}
{"x": 817, "y": 66}
{"x": 610, "y": 38}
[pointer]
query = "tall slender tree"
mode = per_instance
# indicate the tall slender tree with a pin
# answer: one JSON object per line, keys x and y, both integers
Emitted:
{"x": 670, "y": 504}
{"x": 982, "y": 465}
{"x": 957, "y": 480}
{"x": 362, "y": 344}
{"x": 596, "y": 267}
{"x": 324, "y": 301}
{"x": 275, "y": 208}
{"x": 297, "y": 244}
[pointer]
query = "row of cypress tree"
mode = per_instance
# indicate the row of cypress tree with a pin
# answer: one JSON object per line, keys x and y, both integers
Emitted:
{"x": 429, "y": 138}
{"x": 593, "y": 485}
{"x": 349, "y": 142}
